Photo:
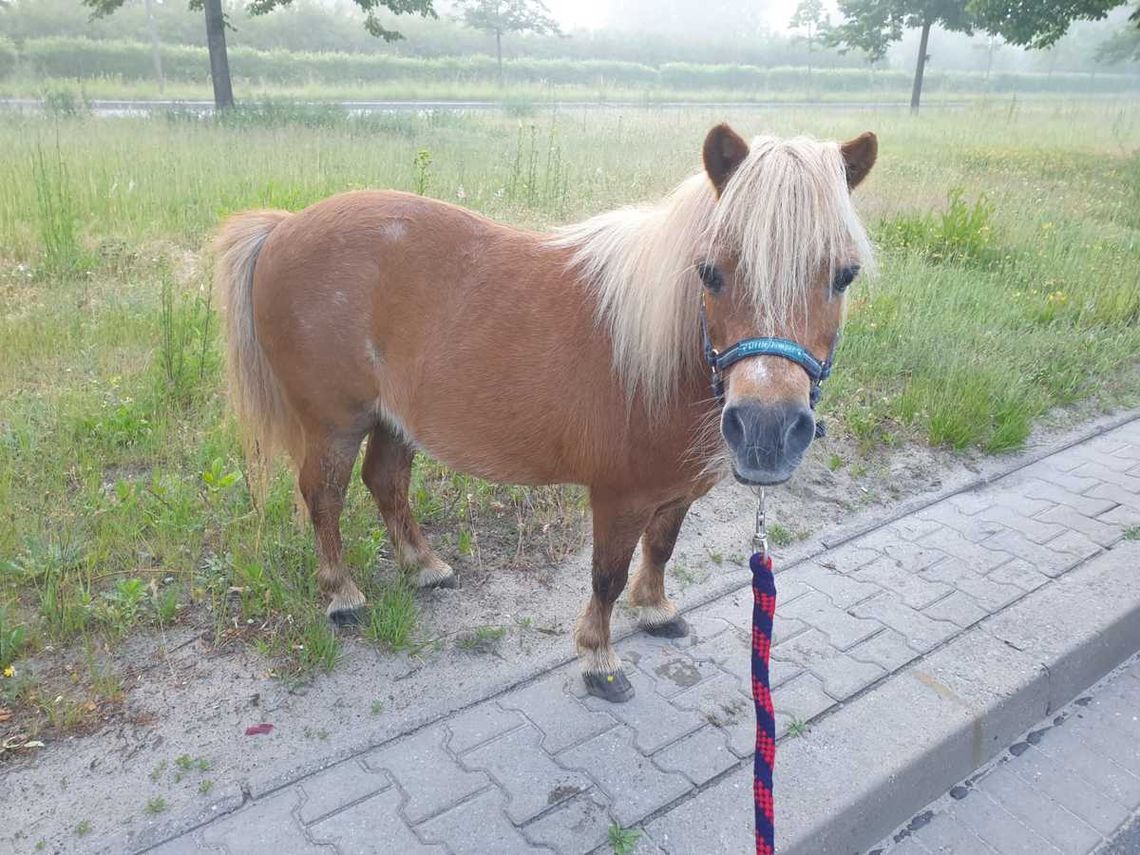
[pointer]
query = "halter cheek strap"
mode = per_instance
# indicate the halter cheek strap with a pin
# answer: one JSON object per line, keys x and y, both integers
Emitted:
{"x": 719, "y": 362}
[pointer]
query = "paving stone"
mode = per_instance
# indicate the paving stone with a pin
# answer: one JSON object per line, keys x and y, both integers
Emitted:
{"x": 732, "y": 651}
{"x": 700, "y": 756}
{"x": 1020, "y": 573}
{"x": 967, "y": 526}
{"x": 914, "y": 590}
{"x": 1048, "y": 776}
{"x": 971, "y": 501}
{"x": 1122, "y": 516}
{"x": 847, "y": 557}
{"x": 1014, "y": 518}
{"x": 371, "y": 827}
{"x": 999, "y": 828}
{"x": 888, "y": 650}
{"x": 988, "y": 593}
{"x": 842, "y": 675}
{"x": 480, "y": 724}
{"x": 1087, "y": 505}
{"x": 841, "y": 589}
{"x": 476, "y": 827}
{"x": 334, "y": 788}
{"x": 1095, "y": 530}
{"x": 187, "y": 844}
{"x": 562, "y": 718}
{"x": 921, "y": 632}
{"x": 957, "y": 608}
{"x": 532, "y": 781}
{"x": 1048, "y": 560}
{"x": 842, "y": 628}
{"x": 718, "y": 820}
{"x": 655, "y": 722}
{"x": 1103, "y": 773}
{"x": 1115, "y": 493}
{"x": 954, "y": 545}
{"x": 784, "y": 627}
{"x": 635, "y": 786}
{"x": 801, "y": 699}
{"x": 912, "y": 527}
{"x": 916, "y": 556}
{"x": 267, "y": 825}
{"x": 1033, "y": 808}
{"x": 1073, "y": 483}
{"x": 428, "y": 775}
{"x": 944, "y": 836}
{"x": 1111, "y": 472}
{"x": 723, "y": 704}
{"x": 575, "y": 827}
{"x": 670, "y": 669}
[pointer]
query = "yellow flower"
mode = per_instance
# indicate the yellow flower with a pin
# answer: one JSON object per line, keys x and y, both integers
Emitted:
{"x": 9, "y": 671}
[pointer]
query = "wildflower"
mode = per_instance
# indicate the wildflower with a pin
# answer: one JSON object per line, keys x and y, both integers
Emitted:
{"x": 1057, "y": 298}
{"x": 9, "y": 672}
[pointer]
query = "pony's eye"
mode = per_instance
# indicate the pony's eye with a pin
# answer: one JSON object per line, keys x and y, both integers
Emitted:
{"x": 710, "y": 276}
{"x": 845, "y": 277}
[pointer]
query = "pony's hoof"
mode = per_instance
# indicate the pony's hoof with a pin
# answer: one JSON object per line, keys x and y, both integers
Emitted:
{"x": 451, "y": 581}
{"x": 344, "y": 618}
{"x": 676, "y": 627}
{"x": 612, "y": 686}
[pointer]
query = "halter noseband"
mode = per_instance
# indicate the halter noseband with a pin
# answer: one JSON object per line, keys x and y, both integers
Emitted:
{"x": 747, "y": 348}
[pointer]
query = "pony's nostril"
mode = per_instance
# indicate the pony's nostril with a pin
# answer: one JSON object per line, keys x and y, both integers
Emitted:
{"x": 733, "y": 428}
{"x": 801, "y": 431}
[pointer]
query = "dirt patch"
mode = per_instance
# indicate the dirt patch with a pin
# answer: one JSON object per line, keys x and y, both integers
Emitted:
{"x": 175, "y": 747}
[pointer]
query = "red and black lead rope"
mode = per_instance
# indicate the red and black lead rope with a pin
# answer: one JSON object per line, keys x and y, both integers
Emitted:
{"x": 763, "y": 610}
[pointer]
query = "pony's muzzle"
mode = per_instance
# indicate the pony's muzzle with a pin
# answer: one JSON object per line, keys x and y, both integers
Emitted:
{"x": 767, "y": 441}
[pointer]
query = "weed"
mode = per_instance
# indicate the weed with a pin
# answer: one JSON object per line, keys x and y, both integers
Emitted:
{"x": 797, "y": 727}
{"x": 392, "y": 619}
{"x": 156, "y": 805}
{"x": 483, "y": 639}
{"x": 204, "y": 786}
{"x": 122, "y": 604}
{"x": 782, "y": 535}
{"x": 83, "y": 828}
{"x": 422, "y": 166}
{"x": 377, "y": 707}
{"x": 56, "y": 215}
{"x": 12, "y": 638}
{"x": 1132, "y": 532}
{"x": 623, "y": 840}
{"x": 834, "y": 462}
{"x": 157, "y": 772}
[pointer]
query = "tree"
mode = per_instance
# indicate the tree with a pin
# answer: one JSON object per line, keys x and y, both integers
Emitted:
{"x": 873, "y": 25}
{"x": 809, "y": 16}
{"x": 508, "y": 16}
{"x": 216, "y": 24}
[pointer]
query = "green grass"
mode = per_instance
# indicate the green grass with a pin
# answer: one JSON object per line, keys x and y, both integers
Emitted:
{"x": 623, "y": 840}
{"x": 1010, "y": 235}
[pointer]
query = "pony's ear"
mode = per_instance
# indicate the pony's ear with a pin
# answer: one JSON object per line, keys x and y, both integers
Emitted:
{"x": 859, "y": 156}
{"x": 724, "y": 150}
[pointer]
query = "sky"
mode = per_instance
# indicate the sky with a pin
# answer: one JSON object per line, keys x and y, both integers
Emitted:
{"x": 592, "y": 14}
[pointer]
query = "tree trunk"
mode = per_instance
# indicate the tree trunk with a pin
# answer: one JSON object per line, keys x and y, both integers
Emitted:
{"x": 499, "y": 53}
{"x": 155, "y": 47}
{"x": 219, "y": 61}
{"x": 920, "y": 68}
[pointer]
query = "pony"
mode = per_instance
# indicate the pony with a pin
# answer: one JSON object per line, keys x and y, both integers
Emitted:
{"x": 528, "y": 358}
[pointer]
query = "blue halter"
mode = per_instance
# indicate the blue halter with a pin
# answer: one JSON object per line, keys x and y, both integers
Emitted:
{"x": 747, "y": 348}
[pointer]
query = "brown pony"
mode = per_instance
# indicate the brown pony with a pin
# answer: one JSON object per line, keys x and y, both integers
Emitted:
{"x": 527, "y": 358}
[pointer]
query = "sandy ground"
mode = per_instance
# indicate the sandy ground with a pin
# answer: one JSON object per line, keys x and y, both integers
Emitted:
{"x": 189, "y": 700}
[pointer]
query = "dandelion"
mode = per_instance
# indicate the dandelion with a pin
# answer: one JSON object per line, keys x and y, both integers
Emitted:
{"x": 9, "y": 672}
{"x": 1057, "y": 298}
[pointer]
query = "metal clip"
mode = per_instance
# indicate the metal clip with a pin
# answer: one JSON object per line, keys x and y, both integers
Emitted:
{"x": 760, "y": 538}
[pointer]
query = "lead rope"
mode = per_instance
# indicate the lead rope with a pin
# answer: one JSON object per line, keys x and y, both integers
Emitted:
{"x": 763, "y": 610}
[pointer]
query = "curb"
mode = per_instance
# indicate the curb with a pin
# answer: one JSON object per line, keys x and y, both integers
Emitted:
{"x": 882, "y": 758}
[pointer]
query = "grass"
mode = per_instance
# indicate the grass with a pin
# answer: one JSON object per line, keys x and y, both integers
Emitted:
{"x": 1132, "y": 532}
{"x": 623, "y": 840}
{"x": 1010, "y": 235}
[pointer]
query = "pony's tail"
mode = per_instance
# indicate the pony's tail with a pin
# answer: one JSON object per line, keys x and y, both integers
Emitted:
{"x": 267, "y": 423}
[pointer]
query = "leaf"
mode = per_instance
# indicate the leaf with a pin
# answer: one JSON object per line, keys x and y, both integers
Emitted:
{"x": 258, "y": 729}
{"x": 5, "y": 714}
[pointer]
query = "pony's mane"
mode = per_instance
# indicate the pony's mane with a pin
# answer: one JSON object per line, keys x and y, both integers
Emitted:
{"x": 785, "y": 211}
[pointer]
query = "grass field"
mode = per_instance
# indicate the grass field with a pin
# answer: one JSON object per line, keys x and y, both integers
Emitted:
{"x": 1009, "y": 285}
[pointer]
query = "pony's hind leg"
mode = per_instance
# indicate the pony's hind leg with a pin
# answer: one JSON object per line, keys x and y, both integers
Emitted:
{"x": 323, "y": 480}
{"x": 387, "y": 472}
{"x": 616, "y": 528}
{"x": 656, "y": 613}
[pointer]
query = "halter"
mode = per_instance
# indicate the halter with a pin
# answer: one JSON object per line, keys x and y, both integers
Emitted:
{"x": 747, "y": 348}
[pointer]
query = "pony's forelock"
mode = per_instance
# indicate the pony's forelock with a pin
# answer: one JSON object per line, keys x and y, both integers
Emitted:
{"x": 785, "y": 211}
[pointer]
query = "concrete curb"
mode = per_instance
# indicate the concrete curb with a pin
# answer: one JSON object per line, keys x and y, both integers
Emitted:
{"x": 880, "y": 759}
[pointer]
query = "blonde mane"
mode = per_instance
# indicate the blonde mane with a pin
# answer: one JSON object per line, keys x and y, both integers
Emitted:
{"x": 785, "y": 211}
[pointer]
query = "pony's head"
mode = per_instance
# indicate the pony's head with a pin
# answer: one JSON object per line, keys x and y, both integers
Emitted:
{"x": 782, "y": 246}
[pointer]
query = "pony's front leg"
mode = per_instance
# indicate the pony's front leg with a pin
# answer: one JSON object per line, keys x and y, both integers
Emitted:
{"x": 656, "y": 613}
{"x": 617, "y": 524}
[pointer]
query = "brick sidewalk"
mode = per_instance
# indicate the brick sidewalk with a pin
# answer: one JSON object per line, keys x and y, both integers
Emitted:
{"x": 1071, "y": 786}
{"x": 543, "y": 768}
